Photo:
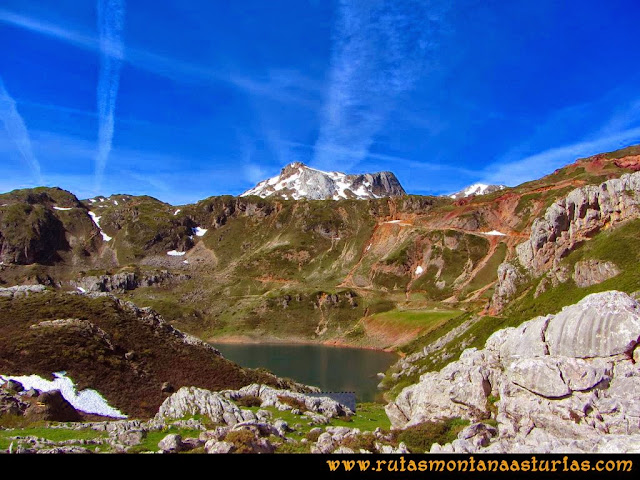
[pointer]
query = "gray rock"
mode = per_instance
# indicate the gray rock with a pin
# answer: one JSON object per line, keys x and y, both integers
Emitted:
{"x": 21, "y": 290}
{"x": 172, "y": 443}
{"x": 592, "y": 272}
{"x": 132, "y": 437}
{"x": 192, "y": 443}
{"x": 282, "y": 427}
{"x": 324, "y": 444}
{"x": 190, "y": 401}
{"x": 539, "y": 375}
{"x": 600, "y": 325}
{"x": 214, "y": 446}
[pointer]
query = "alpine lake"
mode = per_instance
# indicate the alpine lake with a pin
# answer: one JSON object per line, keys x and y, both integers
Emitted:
{"x": 333, "y": 369}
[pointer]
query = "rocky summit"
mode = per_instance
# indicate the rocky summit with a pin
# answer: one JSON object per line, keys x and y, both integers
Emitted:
{"x": 297, "y": 181}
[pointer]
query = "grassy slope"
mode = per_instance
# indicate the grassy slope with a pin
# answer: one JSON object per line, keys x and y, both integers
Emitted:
{"x": 133, "y": 386}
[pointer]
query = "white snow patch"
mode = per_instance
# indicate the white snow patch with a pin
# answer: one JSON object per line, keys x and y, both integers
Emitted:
{"x": 368, "y": 248}
{"x": 63, "y": 209}
{"x": 115, "y": 202}
{"x": 419, "y": 270}
{"x": 92, "y": 200}
{"x": 88, "y": 401}
{"x": 175, "y": 253}
{"x": 495, "y": 232}
{"x": 81, "y": 290}
{"x": 200, "y": 231}
{"x": 96, "y": 220}
{"x": 176, "y": 212}
{"x": 401, "y": 223}
{"x": 185, "y": 261}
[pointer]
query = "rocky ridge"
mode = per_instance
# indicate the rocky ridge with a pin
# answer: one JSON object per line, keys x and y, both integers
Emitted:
{"x": 297, "y": 181}
{"x": 121, "y": 282}
{"x": 560, "y": 383}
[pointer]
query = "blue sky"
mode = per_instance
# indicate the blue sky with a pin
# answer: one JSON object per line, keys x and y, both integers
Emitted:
{"x": 184, "y": 100}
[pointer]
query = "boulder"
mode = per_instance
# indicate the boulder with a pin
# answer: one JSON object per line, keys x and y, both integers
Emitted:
{"x": 215, "y": 446}
{"x": 52, "y": 406}
{"x": 172, "y": 443}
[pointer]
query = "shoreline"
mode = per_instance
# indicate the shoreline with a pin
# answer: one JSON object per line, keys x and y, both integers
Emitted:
{"x": 247, "y": 340}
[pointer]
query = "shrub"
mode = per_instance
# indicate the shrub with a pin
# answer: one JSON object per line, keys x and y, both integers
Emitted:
{"x": 419, "y": 438}
{"x": 242, "y": 440}
{"x": 293, "y": 402}
{"x": 249, "y": 401}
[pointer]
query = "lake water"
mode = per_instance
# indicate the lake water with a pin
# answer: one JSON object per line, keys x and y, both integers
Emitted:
{"x": 333, "y": 369}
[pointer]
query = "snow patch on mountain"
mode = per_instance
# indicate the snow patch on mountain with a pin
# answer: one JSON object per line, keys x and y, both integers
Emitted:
{"x": 96, "y": 220}
{"x": 477, "y": 189}
{"x": 87, "y": 400}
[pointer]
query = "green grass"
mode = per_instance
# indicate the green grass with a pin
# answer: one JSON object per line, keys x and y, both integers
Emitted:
{"x": 488, "y": 273}
{"x": 150, "y": 442}
{"x": 415, "y": 318}
{"x": 53, "y": 434}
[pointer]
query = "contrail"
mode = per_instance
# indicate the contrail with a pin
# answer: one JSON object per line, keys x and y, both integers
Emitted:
{"x": 17, "y": 130}
{"x": 110, "y": 27}
{"x": 379, "y": 51}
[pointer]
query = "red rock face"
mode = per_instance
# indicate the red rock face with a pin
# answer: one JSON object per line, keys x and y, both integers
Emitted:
{"x": 632, "y": 162}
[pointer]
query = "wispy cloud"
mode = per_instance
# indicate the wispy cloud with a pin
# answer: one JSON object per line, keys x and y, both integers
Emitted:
{"x": 379, "y": 51}
{"x": 535, "y": 166}
{"x": 17, "y": 131}
{"x": 110, "y": 26}
{"x": 294, "y": 89}
{"x": 47, "y": 28}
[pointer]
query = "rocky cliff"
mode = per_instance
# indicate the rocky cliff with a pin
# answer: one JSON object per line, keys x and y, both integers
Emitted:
{"x": 576, "y": 218}
{"x": 566, "y": 225}
{"x": 561, "y": 383}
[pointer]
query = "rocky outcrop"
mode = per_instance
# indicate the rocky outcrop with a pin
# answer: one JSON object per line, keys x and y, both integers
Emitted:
{"x": 562, "y": 383}
{"x": 221, "y": 408}
{"x": 21, "y": 290}
{"x": 509, "y": 278}
{"x": 288, "y": 400}
{"x": 566, "y": 224}
{"x": 578, "y": 216}
{"x": 189, "y": 401}
{"x": 592, "y": 272}
{"x": 121, "y": 282}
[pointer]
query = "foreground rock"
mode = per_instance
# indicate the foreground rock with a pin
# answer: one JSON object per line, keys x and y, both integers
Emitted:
{"x": 561, "y": 383}
{"x": 221, "y": 408}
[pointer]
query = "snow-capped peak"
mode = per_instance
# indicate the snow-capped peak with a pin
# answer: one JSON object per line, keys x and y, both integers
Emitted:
{"x": 477, "y": 189}
{"x": 297, "y": 181}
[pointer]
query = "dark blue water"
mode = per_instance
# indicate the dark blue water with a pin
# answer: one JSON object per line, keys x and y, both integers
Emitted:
{"x": 330, "y": 368}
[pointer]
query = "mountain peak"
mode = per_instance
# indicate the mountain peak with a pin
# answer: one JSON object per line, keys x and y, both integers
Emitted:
{"x": 477, "y": 189}
{"x": 297, "y": 180}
